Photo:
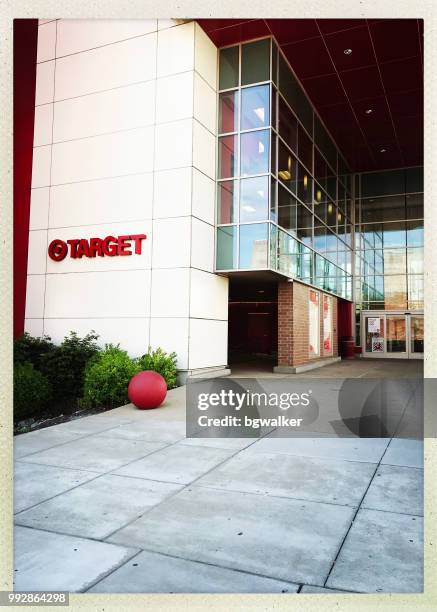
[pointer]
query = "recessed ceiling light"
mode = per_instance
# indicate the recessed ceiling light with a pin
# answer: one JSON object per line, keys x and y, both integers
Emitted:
{"x": 368, "y": 111}
{"x": 382, "y": 150}
{"x": 347, "y": 51}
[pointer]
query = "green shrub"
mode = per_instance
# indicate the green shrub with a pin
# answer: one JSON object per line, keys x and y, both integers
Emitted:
{"x": 107, "y": 376}
{"x": 161, "y": 362}
{"x": 32, "y": 391}
{"x": 64, "y": 366}
{"x": 32, "y": 350}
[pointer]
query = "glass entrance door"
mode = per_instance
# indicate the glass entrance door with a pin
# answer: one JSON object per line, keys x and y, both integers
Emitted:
{"x": 393, "y": 334}
{"x": 416, "y": 335}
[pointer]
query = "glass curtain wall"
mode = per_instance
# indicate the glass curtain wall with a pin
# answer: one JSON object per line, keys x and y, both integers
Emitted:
{"x": 389, "y": 241}
{"x": 284, "y": 193}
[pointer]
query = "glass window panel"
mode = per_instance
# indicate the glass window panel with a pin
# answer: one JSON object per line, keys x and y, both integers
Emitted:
{"x": 227, "y": 202}
{"x": 273, "y": 105}
{"x": 287, "y": 210}
{"x": 255, "y": 152}
{"x": 226, "y": 248}
{"x": 304, "y": 224}
{"x": 415, "y": 261}
{"x": 273, "y": 198}
{"x": 255, "y": 107}
{"x": 341, "y": 195}
{"x": 274, "y": 246}
{"x": 304, "y": 185}
{"x": 324, "y": 142}
{"x": 305, "y": 268}
{"x": 320, "y": 202}
{"x": 393, "y": 289}
{"x": 273, "y": 164}
{"x": 228, "y": 112}
{"x": 331, "y": 184}
{"x": 253, "y": 246}
{"x": 274, "y": 63}
{"x": 394, "y": 235}
{"x": 395, "y": 261}
{"x": 227, "y": 155}
{"x": 320, "y": 169}
{"x": 320, "y": 233}
{"x": 382, "y": 183}
{"x": 254, "y": 199}
{"x": 414, "y": 179}
{"x": 390, "y": 208}
{"x": 229, "y": 67}
{"x": 288, "y": 250}
{"x": 331, "y": 215}
{"x": 304, "y": 110}
{"x": 414, "y": 206}
{"x": 287, "y": 167}
{"x": 255, "y": 62}
{"x": 287, "y": 125}
{"x": 415, "y": 233}
{"x": 331, "y": 242}
{"x": 288, "y": 85}
{"x": 415, "y": 291}
{"x": 305, "y": 149}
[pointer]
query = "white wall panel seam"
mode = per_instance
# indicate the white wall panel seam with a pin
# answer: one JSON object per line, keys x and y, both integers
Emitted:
{"x": 153, "y": 186}
{"x": 114, "y": 42}
{"x": 99, "y": 91}
{"x": 50, "y": 181}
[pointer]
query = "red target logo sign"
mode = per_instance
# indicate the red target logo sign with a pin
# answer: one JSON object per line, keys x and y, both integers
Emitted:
{"x": 111, "y": 246}
{"x": 58, "y": 250}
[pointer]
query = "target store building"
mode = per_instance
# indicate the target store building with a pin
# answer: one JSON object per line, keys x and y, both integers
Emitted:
{"x": 232, "y": 190}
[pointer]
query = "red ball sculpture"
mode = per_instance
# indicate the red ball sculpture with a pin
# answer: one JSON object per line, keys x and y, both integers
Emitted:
{"x": 147, "y": 389}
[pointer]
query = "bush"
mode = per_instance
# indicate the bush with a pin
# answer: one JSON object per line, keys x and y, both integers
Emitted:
{"x": 32, "y": 391}
{"x": 64, "y": 366}
{"x": 107, "y": 376}
{"x": 161, "y": 362}
{"x": 32, "y": 350}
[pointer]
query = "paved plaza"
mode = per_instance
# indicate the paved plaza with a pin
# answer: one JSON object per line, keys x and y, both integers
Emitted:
{"x": 123, "y": 502}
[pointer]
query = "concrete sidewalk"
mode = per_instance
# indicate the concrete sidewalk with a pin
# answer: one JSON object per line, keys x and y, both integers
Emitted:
{"x": 123, "y": 502}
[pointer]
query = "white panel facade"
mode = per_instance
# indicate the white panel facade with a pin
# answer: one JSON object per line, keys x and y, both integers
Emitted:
{"x": 124, "y": 144}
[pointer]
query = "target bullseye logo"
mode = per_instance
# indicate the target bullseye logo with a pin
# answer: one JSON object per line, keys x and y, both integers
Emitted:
{"x": 58, "y": 250}
{"x": 111, "y": 246}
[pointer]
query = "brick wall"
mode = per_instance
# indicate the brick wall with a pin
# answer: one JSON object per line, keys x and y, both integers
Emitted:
{"x": 293, "y": 325}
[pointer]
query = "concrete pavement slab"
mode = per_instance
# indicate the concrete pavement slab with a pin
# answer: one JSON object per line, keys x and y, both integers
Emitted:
{"x": 154, "y": 573}
{"x": 368, "y": 450}
{"x": 404, "y": 452}
{"x": 230, "y": 443}
{"x": 97, "y": 508}
{"x": 322, "y": 480}
{"x": 95, "y": 453}
{"x": 383, "y": 552}
{"x": 36, "y": 483}
{"x": 51, "y": 562}
{"x": 92, "y": 424}
{"x": 36, "y": 441}
{"x": 280, "y": 538}
{"x": 396, "y": 489}
{"x": 178, "y": 463}
{"x": 150, "y": 430}
{"x": 307, "y": 588}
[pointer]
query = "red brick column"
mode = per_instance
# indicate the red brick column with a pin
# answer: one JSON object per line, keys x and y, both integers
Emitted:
{"x": 285, "y": 324}
{"x": 293, "y": 325}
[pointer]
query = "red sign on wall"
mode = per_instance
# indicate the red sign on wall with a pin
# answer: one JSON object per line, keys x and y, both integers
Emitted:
{"x": 111, "y": 246}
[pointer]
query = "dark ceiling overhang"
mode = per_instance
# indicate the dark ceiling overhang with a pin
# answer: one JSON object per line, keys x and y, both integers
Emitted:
{"x": 383, "y": 74}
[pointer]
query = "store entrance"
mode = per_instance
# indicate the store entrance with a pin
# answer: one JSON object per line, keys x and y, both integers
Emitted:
{"x": 393, "y": 334}
{"x": 253, "y": 322}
